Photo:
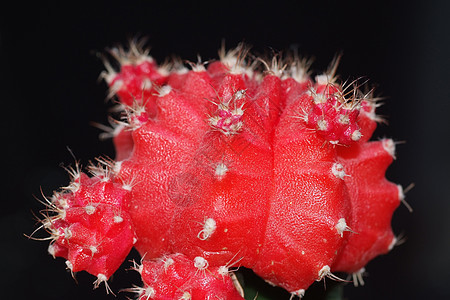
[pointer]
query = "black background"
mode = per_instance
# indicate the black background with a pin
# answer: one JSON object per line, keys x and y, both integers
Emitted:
{"x": 50, "y": 93}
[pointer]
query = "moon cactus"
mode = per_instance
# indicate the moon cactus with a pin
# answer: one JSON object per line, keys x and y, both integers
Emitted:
{"x": 233, "y": 163}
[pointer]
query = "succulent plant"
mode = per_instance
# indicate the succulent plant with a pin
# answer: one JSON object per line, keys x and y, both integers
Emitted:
{"x": 239, "y": 162}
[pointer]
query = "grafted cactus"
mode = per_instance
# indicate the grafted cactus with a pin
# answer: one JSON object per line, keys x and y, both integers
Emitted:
{"x": 227, "y": 164}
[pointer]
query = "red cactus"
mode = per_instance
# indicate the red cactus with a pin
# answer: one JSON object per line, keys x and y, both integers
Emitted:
{"x": 227, "y": 166}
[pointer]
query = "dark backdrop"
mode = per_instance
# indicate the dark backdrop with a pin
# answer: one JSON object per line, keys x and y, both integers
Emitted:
{"x": 50, "y": 94}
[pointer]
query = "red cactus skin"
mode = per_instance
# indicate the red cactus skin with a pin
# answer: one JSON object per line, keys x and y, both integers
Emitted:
{"x": 226, "y": 166}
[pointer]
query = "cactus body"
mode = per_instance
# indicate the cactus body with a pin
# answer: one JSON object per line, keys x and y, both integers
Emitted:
{"x": 223, "y": 166}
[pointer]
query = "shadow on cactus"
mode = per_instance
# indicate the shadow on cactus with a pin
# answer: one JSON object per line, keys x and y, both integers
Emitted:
{"x": 236, "y": 163}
